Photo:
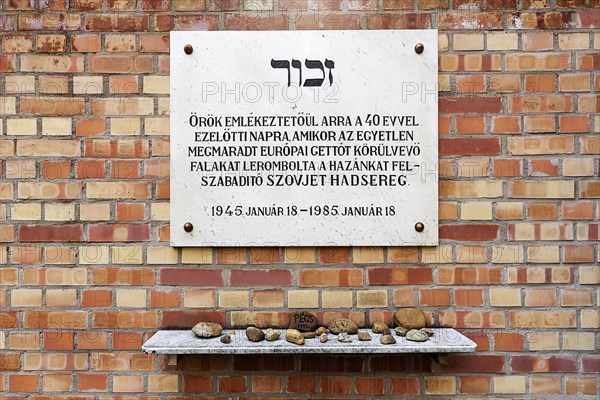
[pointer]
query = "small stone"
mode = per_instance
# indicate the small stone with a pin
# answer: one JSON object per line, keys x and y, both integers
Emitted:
{"x": 401, "y": 331}
{"x": 207, "y": 329}
{"x": 387, "y": 339}
{"x": 339, "y": 325}
{"x": 323, "y": 338}
{"x": 364, "y": 336}
{"x": 379, "y": 327}
{"x": 294, "y": 336}
{"x": 272, "y": 335}
{"x": 225, "y": 339}
{"x": 303, "y": 321}
{"x": 411, "y": 318}
{"x": 321, "y": 330}
{"x": 254, "y": 334}
{"x": 344, "y": 337}
{"x": 416, "y": 335}
{"x": 309, "y": 335}
{"x": 428, "y": 331}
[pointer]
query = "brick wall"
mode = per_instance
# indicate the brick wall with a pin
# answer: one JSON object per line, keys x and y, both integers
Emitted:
{"x": 86, "y": 272}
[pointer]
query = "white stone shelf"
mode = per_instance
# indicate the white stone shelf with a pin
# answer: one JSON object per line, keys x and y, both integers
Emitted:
{"x": 444, "y": 340}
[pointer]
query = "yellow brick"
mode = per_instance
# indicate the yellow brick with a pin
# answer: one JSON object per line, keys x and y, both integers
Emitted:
{"x": 24, "y": 340}
{"x": 589, "y": 275}
{"x": 299, "y": 255}
{"x": 468, "y": 41}
{"x": 471, "y": 167}
{"x": 8, "y": 105}
{"x": 59, "y": 212}
{"x": 125, "y": 126}
{"x": 20, "y": 169}
{"x": 590, "y": 319}
{"x": 26, "y": 297}
{"x": 160, "y": 211}
{"x": 507, "y": 254}
{"x": 578, "y": 167}
{"x": 436, "y": 255}
{"x": 156, "y": 126}
{"x": 156, "y": 85}
{"x": 480, "y": 211}
{"x": 578, "y": 341}
{"x": 2, "y": 341}
{"x": 502, "y": 41}
{"x": 127, "y": 255}
{"x": 255, "y": 5}
{"x": 509, "y": 210}
{"x": 21, "y": 126}
{"x": 570, "y": 41}
{"x": 543, "y": 341}
{"x": 61, "y": 298}
{"x": 163, "y": 383}
{"x": 471, "y": 189}
{"x": 471, "y": 254}
{"x": 94, "y": 255}
{"x": 574, "y": 83}
{"x": 60, "y": 255}
{"x": 543, "y": 319}
{"x": 164, "y": 106}
{"x": 543, "y": 254}
{"x": 66, "y": 276}
{"x": 436, "y": 385}
{"x": 371, "y": 298}
{"x": 191, "y": 255}
{"x": 443, "y": 44}
{"x": 127, "y": 384}
{"x": 367, "y": 255}
{"x": 198, "y": 298}
{"x": 94, "y": 211}
{"x": 56, "y": 126}
{"x": 89, "y": 85}
{"x": 444, "y": 83}
{"x": 20, "y": 84}
{"x": 6, "y": 191}
{"x": 337, "y": 299}
{"x": 509, "y": 384}
{"x": 162, "y": 255}
{"x": 303, "y": 299}
{"x": 131, "y": 298}
{"x": 3, "y": 255}
{"x": 123, "y": 106}
{"x": 17, "y": 44}
{"x": 597, "y": 40}
{"x": 26, "y": 212}
{"x": 120, "y": 43}
{"x": 116, "y": 190}
{"x": 234, "y": 298}
{"x": 576, "y": 298}
{"x": 502, "y": 297}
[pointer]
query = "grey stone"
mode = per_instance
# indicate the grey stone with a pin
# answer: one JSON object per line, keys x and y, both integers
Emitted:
{"x": 411, "y": 318}
{"x": 294, "y": 336}
{"x": 416, "y": 335}
{"x": 254, "y": 334}
{"x": 339, "y": 325}
{"x": 303, "y": 321}
{"x": 364, "y": 336}
{"x": 323, "y": 338}
{"x": 387, "y": 339}
{"x": 272, "y": 335}
{"x": 344, "y": 337}
{"x": 428, "y": 331}
{"x": 207, "y": 329}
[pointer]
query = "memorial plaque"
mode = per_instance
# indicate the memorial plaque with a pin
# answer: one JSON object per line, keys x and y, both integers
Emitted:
{"x": 304, "y": 138}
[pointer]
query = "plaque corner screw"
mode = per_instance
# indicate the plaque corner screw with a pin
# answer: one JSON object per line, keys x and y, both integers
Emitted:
{"x": 419, "y": 227}
{"x": 188, "y": 227}
{"x": 419, "y": 48}
{"x": 188, "y": 49}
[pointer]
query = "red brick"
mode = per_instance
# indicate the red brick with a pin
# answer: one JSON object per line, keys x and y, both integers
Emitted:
{"x": 131, "y": 212}
{"x": 120, "y": 64}
{"x": 507, "y": 167}
{"x": 470, "y": 125}
{"x": 59, "y": 341}
{"x": 92, "y": 340}
{"x": 266, "y": 384}
{"x": 187, "y": 319}
{"x": 56, "y": 169}
{"x": 261, "y": 278}
{"x": 335, "y": 384}
{"x": 164, "y": 298}
{"x": 124, "y": 276}
{"x": 400, "y": 276}
{"x": 23, "y": 383}
{"x": 474, "y": 363}
{"x": 398, "y": 363}
{"x": 118, "y": 233}
{"x": 399, "y": 21}
{"x": 204, "y": 22}
{"x": 477, "y": 20}
{"x": 434, "y": 297}
{"x": 191, "y": 277}
{"x": 508, "y": 341}
{"x": 470, "y": 104}
{"x": 125, "y": 169}
{"x": 93, "y": 382}
{"x": 522, "y": 364}
{"x": 266, "y": 255}
{"x": 90, "y": 127}
{"x": 86, "y": 43}
{"x": 468, "y": 297}
{"x": 42, "y": 233}
{"x": 473, "y": 232}
{"x": 96, "y": 298}
{"x": 301, "y": 384}
{"x": 470, "y": 146}
{"x": 276, "y": 362}
{"x": 126, "y": 341}
{"x": 331, "y": 277}
{"x": 197, "y": 384}
{"x": 475, "y": 384}
{"x": 90, "y": 169}
{"x": 8, "y": 319}
{"x": 124, "y": 319}
{"x": 334, "y": 255}
{"x": 405, "y": 386}
{"x": 116, "y": 23}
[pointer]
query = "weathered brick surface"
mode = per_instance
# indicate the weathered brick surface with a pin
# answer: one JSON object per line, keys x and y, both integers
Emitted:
{"x": 86, "y": 273}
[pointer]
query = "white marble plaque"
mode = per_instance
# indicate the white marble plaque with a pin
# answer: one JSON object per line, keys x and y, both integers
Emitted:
{"x": 304, "y": 138}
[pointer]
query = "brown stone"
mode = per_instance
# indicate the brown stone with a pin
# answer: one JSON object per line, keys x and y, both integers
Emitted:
{"x": 226, "y": 339}
{"x": 411, "y": 318}
{"x": 428, "y": 331}
{"x": 207, "y": 329}
{"x": 339, "y": 325}
{"x": 401, "y": 331}
{"x": 309, "y": 335}
{"x": 321, "y": 330}
{"x": 364, "y": 336}
{"x": 417, "y": 335}
{"x": 254, "y": 334}
{"x": 387, "y": 339}
{"x": 294, "y": 336}
{"x": 380, "y": 327}
{"x": 303, "y": 321}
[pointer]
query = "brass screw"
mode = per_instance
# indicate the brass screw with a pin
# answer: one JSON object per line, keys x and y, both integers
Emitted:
{"x": 188, "y": 49}
{"x": 188, "y": 227}
{"x": 419, "y": 48}
{"x": 419, "y": 227}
